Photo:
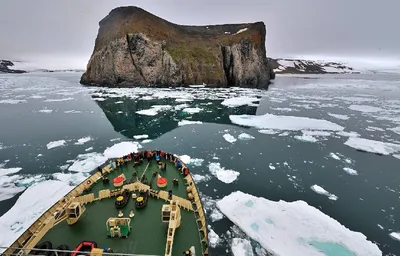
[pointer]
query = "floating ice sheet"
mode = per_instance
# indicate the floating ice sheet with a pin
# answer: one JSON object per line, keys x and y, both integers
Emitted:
{"x": 229, "y": 138}
{"x": 320, "y": 190}
{"x": 83, "y": 140}
{"x": 293, "y": 228}
{"x": 245, "y": 136}
{"x": 55, "y": 144}
{"x": 373, "y": 146}
{"x": 239, "y": 101}
{"x": 187, "y": 122}
{"x": 224, "y": 175}
{"x": 241, "y": 247}
{"x": 29, "y": 206}
{"x": 294, "y": 123}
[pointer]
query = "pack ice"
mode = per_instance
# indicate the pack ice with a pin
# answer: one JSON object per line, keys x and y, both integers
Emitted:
{"x": 294, "y": 228}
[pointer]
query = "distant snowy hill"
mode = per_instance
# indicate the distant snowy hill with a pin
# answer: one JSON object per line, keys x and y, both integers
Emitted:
{"x": 297, "y": 66}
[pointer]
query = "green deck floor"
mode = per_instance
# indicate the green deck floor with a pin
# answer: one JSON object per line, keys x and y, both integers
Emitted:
{"x": 148, "y": 233}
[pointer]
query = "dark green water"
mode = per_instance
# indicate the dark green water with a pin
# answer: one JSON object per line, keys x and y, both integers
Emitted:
{"x": 364, "y": 201}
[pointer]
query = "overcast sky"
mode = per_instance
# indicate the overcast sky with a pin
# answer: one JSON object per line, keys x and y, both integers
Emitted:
{"x": 66, "y": 30}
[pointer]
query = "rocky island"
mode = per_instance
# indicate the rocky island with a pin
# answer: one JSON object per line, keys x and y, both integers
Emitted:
{"x": 5, "y": 67}
{"x": 136, "y": 48}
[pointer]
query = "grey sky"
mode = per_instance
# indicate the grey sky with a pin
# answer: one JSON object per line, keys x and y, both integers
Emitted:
{"x": 67, "y": 29}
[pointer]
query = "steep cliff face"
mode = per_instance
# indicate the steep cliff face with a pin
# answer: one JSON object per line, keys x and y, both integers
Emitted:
{"x": 136, "y": 48}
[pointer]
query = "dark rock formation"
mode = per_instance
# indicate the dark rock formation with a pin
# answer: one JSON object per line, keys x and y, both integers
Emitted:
{"x": 136, "y": 48}
{"x": 4, "y": 67}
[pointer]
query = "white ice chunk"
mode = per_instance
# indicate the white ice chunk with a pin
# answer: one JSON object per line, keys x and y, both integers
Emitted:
{"x": 395, "y": 235}
{"x": 213, "y": 238}
{"x": 268, "y": 131}
{"x": 58, "y": 100}
{"x": 341, "y": 117}
{"x": 29, "y": 207}
{"x": 199, "y": 178}
{"x": 10, "y": 101}
{"x": 334, "y": 156}
{"x": 373, "y": 146}
{"x": 316, "y": 133}
{"x": 216, "y": 215}
{"x": 55, "y": 144}
{"x": 269, "y": 121}
{"x": 241, "y": 247}
{"x": 294, "y": 228}
{"x": 122, "y": 149}
{"x": 89, "y": 149}
{"x": 191, "y": 161}
{"x": 142, "y": 136}
{"x": 239, "y": 101}
{"x": 83, "y": 140}
{"x": 47, "y": 111}
{"x": 229, "y": 138}
{"x": 192, "y": 110}
{"x": 350, "y": 171}
{"x": 154, "y": 110}
{"x": 224, "y": 175}
{"x": 348, "y": 134}
{"x": 305, "y": 138}
{"x": 245, "y": 136}
{"x": 365, "y": 108}
{"x": 186, "y": 122}
{"x": 320, "y": 190}
{"x": 396, "y": 129}
{"x": 146, "y": 141}
{"x": 87, "y": 162}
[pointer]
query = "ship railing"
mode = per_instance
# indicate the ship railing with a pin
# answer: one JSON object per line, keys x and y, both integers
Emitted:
{"x": 44, "y": 252}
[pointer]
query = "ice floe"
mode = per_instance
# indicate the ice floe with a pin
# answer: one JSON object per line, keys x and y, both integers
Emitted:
{"x": 8, "y": 187}
{"x": 87, "y": 162}
{"x": 55, "y": 144}
{"x": 334, "y": 156}
{"x": 191, "y": 161}
{"x": 142, "y": 136}
{"x": 316, "y": 133}
{"x": 348, "y": 134}
{"x": 187, "y": 122}
{"x": 72, "y": 112}
{"x": 341, "y": 117}
{"x": 396, "y": 129}
{"x": 199, "y": 178}
{"x": 270, "y": 121}
{"x": 294, "y": 228}
{"x": 320, "y": 190}
{"x": 224, "y": 175}
{"x": 395, "y": 235}
{"x": 121, "y": 149}
{"x": 365, "y": 108}
{"x": 83, "y": 140}
{"x": 89, "y": 149}
{"x": 154, "y": 110}
{"x": 239, "y": 101}
{"x": 29, "y": 207}
{"x": 229, "y": 138}
{"x": 47, "y": 111}
{"x": 146, "y": 141}
{"x": 10, "y": 101}
{"x": 241, "y": 247}
{"x": 58, "y": 100}
{"x": 245, "y": 136}
{"x": 305, "y": 138}
{"x": 350, "y": 171}
{"x": 373, "y": 146}
{"x": 192, "y": 110}
{"x": 268, "y": 131}
{"x": 213, "y": 238}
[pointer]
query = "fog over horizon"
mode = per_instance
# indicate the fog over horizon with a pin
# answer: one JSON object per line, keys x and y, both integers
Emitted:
{"x": 61, "y": 34}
